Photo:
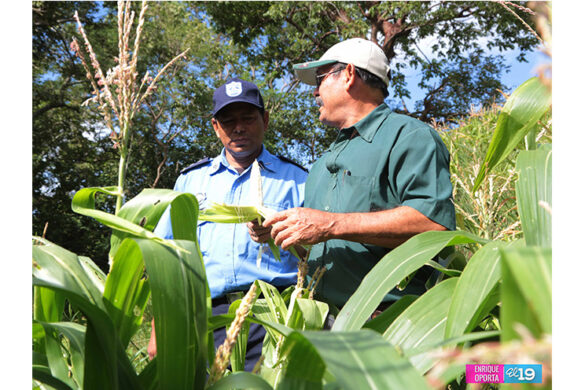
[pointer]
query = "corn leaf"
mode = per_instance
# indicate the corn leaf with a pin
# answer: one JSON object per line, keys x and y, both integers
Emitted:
{"x": 241, "y": 380}
{"x": 391, "y": 269}
{"x": 145, "y": 210}
{"x": 48, "y": 305}
{"x": 75, "y": 334}
{"x": 84, "y": 203}
{"x": 384, "y": 319}
{"x": 474, "y": 286}
{"x": 276, "y": 304}
{"x": 313, "y": 313}
{"x": 527, "y": 104}
{"x": 178, "y": 286}
{"x": 364, "y": 360}
{"x": 534, "y": 193}
{"x": 126, "y": 292}
{"x": 423, "y": 323}
{"x": 526, "y": 291}
{"x": 43, "y": 375}
{"x": 303, "y": 368}
{"x": 106, "y": 364}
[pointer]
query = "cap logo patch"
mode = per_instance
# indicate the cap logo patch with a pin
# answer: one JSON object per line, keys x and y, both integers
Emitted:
{"x": 233, "y": 89}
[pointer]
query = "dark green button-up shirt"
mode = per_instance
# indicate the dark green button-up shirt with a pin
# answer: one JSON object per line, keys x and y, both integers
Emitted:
{"x": 383, "y": 161}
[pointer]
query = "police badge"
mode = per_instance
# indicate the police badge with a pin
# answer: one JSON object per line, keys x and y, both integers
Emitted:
{"x": 233, "y": 89}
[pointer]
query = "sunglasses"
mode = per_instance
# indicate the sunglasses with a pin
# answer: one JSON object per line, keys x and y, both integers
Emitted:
{"x": 319, "y": 78}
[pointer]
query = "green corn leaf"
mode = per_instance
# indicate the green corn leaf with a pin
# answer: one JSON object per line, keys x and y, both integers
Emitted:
{"x": 43, "y": 375}
{"x": 241, "y": 380}
{"x": 384, "y": 319}
{"x": 106, "y": 364}
{"x": 179, "y": 300}
{"x": 75, "y": 334}
{"x": 126, "y": 292}
{"x": 444, "y": 270}
{"x": 303, "y": 368}
{"x": 223, "y": 320}
{"x": 423, "y": 323}
{"x": 314, "y": 313}
{"x": 276, "y": 304}
{"x": 84, "y": 203}
{"x": 48, "y": 305}
{"x": 146, "y": 209}
{"x": 391, "y": 269}
{"x": 527, "y": 104}
{"x": 526, "y": 291}
{"x": 477, "y": 281}
{"x": 534, "y": 193}
{"x": 474, "y": 336}
{"x": 364, "y": 360}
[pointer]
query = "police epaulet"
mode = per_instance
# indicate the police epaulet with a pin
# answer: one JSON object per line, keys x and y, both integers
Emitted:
{"x": 198, "y": 164}
{"x": 288, "y": 160}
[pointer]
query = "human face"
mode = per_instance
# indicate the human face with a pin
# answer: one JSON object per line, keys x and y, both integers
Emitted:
{"x": 240, "y": 128}
{"x": 329, "y": 95}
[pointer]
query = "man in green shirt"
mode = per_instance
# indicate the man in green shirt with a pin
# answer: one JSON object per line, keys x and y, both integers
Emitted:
{"x": 383, "y": 180}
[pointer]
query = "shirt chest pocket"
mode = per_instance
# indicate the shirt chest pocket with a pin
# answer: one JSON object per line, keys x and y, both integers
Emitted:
{"x": 354, "y": 193}
{"x": 279, "y": 206}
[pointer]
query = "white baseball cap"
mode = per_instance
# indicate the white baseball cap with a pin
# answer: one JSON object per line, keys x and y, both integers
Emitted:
{"x": 357, "y": 51}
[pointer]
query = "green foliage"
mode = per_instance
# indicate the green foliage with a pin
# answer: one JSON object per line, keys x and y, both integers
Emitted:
{"x": 504, "y": 286}
{"x": 459, "y": 73}
{"x": 518, "y": 118}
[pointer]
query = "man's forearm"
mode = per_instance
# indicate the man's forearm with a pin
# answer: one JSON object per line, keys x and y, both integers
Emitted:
{"x": 387, "y": 228}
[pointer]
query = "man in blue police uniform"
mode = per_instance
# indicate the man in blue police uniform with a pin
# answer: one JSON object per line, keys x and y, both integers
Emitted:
{"x": 240, "y": 122}
{"x": 383, "y": 180}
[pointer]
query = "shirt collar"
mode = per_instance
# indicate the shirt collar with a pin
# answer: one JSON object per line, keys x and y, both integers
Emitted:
{"x": 266, "y": 160}
{"x": 369, "y": 125}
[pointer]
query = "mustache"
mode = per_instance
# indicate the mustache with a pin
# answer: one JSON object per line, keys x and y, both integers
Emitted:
{"x": 319, "y": 101}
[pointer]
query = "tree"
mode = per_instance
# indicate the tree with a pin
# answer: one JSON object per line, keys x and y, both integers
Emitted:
{"x": 71, "y": 147}
{"x": 455, "y": 72}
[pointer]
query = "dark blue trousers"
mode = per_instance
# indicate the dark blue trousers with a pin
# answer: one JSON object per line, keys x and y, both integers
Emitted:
{"x": 255, "y": 338}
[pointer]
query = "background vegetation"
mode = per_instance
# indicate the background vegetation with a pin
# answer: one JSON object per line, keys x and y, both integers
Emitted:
{"x": 255, "y": 40}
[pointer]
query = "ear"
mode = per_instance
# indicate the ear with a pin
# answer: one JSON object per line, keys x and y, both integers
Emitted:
{"x": 215, "y": 125}
{"x": 350, "y": 76}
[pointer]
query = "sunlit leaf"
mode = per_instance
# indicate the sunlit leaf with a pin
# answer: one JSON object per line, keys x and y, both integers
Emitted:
{"x": 526, "y": 291}
{"x": 534, "y": 193}
{"x": 527, "y": 104}
{"x": 393, "y": 268}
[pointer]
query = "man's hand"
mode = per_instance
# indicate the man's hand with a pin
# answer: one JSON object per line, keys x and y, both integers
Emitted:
{"x": 258, "y": 233}
{"x": 300, "y": 225}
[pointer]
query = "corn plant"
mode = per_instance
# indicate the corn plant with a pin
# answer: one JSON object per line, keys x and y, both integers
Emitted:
{"x": 117, "y": 93}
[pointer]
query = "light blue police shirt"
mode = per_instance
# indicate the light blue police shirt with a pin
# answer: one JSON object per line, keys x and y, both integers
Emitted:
{"x": 230, "y": 256}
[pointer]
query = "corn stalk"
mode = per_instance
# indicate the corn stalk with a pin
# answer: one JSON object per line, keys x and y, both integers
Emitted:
{"x": 117, "y": 93}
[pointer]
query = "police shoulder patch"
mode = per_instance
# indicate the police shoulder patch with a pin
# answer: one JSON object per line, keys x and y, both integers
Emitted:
{"x": 288, "y": 160}
{"x": 196, "y": 165}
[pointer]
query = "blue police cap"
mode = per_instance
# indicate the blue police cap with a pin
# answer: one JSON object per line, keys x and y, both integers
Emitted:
{"x": 236, "y": 90}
